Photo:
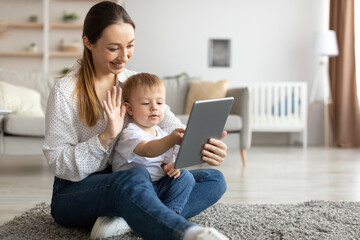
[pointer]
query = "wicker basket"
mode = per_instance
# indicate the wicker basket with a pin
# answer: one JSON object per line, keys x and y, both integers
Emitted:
{"x": 69, "y": 47}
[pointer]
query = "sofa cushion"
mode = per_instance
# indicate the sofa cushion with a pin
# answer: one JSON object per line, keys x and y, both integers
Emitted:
{"x": 233, "y": 123}
{"x": 21, "y": 100}
{"x": 30, "y": 79}
{"x": 203, "y": 90}
{"x": 24, "y": 125}
{"x": 176, "y": 93}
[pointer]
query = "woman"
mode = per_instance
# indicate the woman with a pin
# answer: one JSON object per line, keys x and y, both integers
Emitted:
{"x": 80, "y": 138}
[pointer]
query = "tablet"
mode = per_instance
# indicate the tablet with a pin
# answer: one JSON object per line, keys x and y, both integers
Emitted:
{"x": 207, "y": 120}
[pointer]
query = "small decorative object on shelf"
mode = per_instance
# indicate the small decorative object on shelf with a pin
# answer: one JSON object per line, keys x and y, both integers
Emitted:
{"x": 65, "y": 70}
{"x": 33, "y": 47}
{"x": 70, "y": 46}
{"x": 33, "y": 18}
{"x": 70, "y": 17}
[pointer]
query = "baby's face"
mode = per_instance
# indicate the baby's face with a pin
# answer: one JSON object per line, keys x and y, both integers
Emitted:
{"x": 147, "y": 106}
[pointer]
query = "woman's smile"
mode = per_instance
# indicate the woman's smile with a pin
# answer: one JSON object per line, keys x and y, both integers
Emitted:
{"x": 117, "y": 65}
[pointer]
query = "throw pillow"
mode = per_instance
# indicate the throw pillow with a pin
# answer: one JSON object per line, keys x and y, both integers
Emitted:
{"x": 176, "y": 93}
{"x": 21, "y": 100}
{"x": 203, "y": 90}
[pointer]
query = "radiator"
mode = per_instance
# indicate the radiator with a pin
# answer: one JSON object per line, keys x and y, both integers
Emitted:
{"x": 279, "y": 107}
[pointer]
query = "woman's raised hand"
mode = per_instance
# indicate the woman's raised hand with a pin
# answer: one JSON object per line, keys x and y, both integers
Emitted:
{"x": 115, "y": 113}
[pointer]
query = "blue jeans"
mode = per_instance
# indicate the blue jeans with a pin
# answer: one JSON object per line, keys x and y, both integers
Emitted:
{"x": 175, "y": 192}
{"x": 130, "y": 194}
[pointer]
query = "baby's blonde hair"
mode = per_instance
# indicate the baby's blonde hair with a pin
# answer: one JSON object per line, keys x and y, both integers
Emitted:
{"x": 140, "y": 80}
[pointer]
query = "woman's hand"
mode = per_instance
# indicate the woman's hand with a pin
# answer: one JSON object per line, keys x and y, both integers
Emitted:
{"x": 214, "y": 152}
{"x": 115, "y": 113}
{"x": 170, "y": 170}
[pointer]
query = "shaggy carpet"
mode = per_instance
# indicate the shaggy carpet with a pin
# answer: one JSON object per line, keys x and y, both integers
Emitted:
{"x": 309, "y": 220}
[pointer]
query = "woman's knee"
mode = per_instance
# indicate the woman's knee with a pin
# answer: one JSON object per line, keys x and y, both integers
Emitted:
{"x": 211, "y": 175}
{"x": 218, "y": 176}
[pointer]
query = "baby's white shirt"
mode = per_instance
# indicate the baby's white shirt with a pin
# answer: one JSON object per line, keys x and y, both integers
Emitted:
{"x": 125, "y": 158}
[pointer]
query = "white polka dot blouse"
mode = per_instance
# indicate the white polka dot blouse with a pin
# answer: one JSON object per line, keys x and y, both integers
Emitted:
{"x": 71, "y": 147}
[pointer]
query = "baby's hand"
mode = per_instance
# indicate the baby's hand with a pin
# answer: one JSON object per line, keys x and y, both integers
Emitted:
{"x": 170, "y": 170}
{"x": 177, "y": 135}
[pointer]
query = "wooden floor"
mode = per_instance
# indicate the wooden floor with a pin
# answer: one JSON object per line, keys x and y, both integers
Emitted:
{"x": 273, "y": 175}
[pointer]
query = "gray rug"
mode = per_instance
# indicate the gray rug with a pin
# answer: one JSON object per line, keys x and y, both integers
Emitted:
{"x": 309, "y": 220}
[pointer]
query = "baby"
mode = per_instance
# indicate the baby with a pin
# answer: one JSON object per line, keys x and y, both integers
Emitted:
{"x": 144, "y": 144}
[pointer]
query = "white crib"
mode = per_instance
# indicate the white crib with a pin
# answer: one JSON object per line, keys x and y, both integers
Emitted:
{"x": 279, "y": 107}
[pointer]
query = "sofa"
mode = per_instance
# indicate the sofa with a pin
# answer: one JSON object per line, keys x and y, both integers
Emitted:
{"x": 24, "y": 134}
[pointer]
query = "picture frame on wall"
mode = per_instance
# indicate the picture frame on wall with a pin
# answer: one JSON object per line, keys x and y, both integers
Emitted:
{"x": 219, "y": 52}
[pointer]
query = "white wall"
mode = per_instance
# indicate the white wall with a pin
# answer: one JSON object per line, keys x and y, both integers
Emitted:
{"x": 271, "y": 41}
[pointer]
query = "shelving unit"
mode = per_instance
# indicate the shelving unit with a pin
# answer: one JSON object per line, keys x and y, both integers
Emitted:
{"x": 41, "y": 26}
{"x": 52, "y": 30}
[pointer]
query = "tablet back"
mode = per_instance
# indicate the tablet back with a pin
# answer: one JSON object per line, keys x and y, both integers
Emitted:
{"x": 207, "y": 120}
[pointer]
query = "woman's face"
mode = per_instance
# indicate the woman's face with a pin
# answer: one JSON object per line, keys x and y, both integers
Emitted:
{"x": 113, "y": 49}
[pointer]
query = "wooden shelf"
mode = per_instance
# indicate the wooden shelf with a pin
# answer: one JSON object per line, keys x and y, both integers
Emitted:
{"x": 66, "y": 25}
{"x": 21, "y": 54}
{"x": 64, "y": 54}
{"x": 25, "y": 25}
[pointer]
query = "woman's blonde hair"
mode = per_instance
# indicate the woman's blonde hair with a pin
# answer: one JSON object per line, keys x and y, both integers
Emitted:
{"x": 100, "y": 16}
{"x": 140, "y": 80}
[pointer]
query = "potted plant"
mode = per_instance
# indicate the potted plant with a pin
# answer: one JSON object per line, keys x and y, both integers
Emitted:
{"x": 65, "y": 70}
{"x": 70, "y": 17}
